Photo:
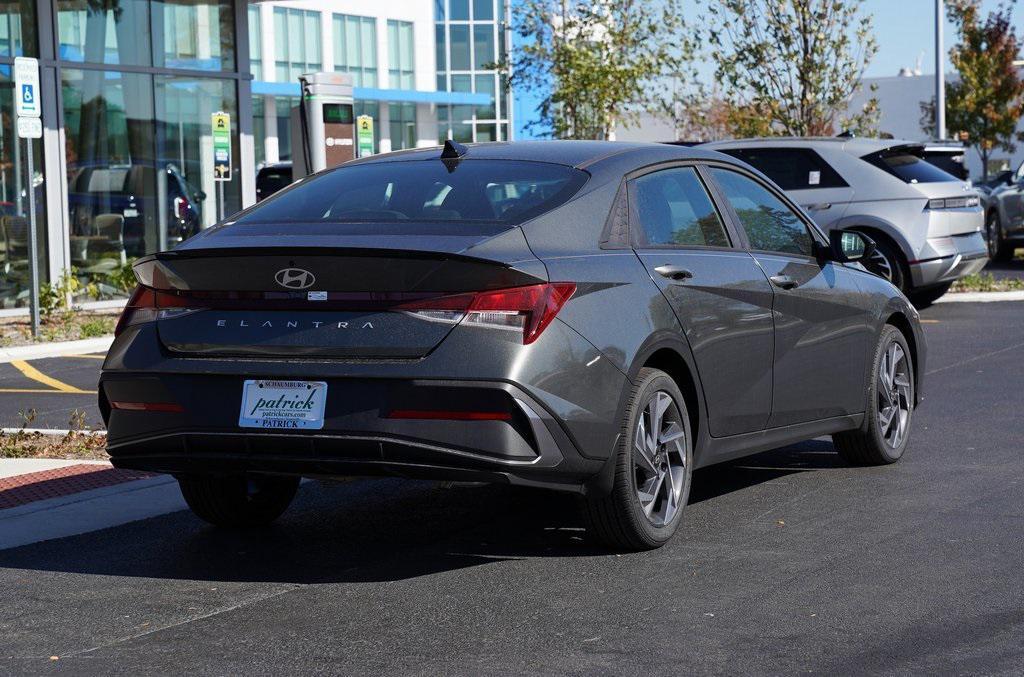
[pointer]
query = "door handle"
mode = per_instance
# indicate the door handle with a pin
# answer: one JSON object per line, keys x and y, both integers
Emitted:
{"x": 673, "y": 272}
{"x": 783, "y": 281}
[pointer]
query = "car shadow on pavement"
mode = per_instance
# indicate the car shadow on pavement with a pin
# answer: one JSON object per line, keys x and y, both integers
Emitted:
{"x": 375, "y": 530}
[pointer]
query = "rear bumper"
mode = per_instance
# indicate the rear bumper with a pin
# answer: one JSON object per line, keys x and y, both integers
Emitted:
{"x": 957, "y": 256}
{"x": 532, "y": 448}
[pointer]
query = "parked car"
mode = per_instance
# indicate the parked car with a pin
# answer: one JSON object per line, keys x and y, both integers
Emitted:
{"x": 947, "y": 156}
{"x": 926, "y": 223}
{"x": 131, "y": 193}
{"x": 591, "y": 317}
{"x": 272, "y": 178}
{"x": 998, "y": 180}
{"x": 1004, "y": 216}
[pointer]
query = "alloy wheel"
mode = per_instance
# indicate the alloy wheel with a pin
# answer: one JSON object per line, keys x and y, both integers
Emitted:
{"x": 992, "y": 235}
{"x": 659, "y": 458}
{"x": 880, "y": 265}
{"x": 894, "y": 395}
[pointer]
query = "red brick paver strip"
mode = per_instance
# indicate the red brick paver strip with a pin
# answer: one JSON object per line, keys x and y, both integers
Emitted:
{"x": 72, "y": 479}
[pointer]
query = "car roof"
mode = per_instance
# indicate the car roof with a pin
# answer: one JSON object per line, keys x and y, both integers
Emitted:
{"x": 580, "y": 154}
{"x": 853, "y": 145}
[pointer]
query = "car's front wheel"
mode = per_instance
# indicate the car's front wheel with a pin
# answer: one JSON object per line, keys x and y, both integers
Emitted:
{"x": 238, "y": 500}
{"x": 884, "y": 435}
{"x": 653, "y": 468}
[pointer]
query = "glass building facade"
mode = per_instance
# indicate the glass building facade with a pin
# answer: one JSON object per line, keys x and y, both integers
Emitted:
{"x": 128, "y": 87}
{"x": 125, "y": 165}
{"x": 471, "y": 38}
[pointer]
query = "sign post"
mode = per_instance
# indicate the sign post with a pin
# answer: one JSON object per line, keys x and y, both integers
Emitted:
{"x": 364, "y": 136}
{"x": 221, "y": 123}
{"x": 28, "y": 109}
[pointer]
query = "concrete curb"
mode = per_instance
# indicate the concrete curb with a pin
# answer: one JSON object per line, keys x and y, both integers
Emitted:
{"x": 54, "y": 432}
{"x": 56, "y": 349}
{"x": 982, "y": 297}
{"x": 89, "y": 511}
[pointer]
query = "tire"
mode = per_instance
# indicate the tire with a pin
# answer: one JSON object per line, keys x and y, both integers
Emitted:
{"x": 888, "y": 262}
{"x": 622, "y": 519}
{"x": 998, "y": 250}
{"x": 877, "y": 442}
{"x": 238, "y": 500}
{"x": 926, "y": 297}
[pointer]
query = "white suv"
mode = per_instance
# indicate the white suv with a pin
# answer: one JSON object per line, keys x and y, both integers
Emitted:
{"x": 927, "y": 223}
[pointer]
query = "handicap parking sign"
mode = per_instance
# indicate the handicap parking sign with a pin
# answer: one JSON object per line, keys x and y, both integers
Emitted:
{"x": 26, "y": 82}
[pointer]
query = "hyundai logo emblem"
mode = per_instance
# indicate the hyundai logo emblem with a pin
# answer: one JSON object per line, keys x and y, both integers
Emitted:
{"x": 295, "y": 278}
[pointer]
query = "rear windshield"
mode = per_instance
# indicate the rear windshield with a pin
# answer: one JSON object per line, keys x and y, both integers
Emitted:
{"x": 911, "y": 168}
{"x": 950, "y": 163}
{"x": 470, "y": 191}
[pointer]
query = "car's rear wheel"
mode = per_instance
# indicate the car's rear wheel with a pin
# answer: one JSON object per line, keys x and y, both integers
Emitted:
{"x": 998, "y": 249}
{"x": 238, "y": 500}
{"x": 885, "y": 433}
{"x": 887, "y": 261}
{"x": 653, "y": 468}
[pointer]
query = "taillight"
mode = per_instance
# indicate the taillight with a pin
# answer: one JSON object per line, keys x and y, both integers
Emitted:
{"x": 181, "y": 206}
{"x": 526, "y": 309}
{"x": 145, "y": 305}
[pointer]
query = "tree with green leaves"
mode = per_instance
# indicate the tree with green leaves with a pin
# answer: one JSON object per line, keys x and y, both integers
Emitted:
{"x": 985, "y": 105}
{"x": 794, "y": 64}
{"x": 598, "y": 65}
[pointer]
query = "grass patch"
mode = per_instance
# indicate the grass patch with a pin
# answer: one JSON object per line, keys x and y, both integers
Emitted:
{"x": 66, "y": 325}
{"x": 74, "y": 445}
{"x": 987, "y": 282}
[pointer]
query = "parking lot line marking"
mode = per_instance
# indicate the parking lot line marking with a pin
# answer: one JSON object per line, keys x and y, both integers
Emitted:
{"x": 47, "y": 390}
{"x": 31, "y": 372}
{"x": 103, "y": 357}
{"x": 929, "y": 321}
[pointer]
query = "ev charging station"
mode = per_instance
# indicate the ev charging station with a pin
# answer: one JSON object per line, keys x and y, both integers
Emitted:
{"x": 323, "y": 126}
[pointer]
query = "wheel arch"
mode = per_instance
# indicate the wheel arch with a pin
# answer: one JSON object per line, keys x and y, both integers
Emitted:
{"x": 671, "y": 354}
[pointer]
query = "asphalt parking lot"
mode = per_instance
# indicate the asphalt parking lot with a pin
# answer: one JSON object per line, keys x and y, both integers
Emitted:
{"x": 54, "y": 392}
{"x": 786, "y": 562}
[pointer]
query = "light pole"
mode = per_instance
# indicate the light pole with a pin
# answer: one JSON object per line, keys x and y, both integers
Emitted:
{"x": 940, "y": 76}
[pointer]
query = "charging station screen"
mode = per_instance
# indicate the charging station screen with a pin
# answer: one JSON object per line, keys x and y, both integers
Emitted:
{"x": 338, "y": 113}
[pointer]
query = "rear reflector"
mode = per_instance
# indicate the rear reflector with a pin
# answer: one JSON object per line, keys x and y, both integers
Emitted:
{"x": 427, "y": 414}
{"x": 169, "y": 407}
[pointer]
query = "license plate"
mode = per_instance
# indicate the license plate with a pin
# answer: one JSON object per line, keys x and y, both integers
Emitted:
{"x": 283, "y": 405}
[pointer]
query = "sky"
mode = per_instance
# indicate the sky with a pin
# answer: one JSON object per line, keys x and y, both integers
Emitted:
{"x": 905, "y": 28}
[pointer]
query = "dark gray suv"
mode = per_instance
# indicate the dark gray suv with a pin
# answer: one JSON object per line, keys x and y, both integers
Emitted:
{"x": 592, "y": 317}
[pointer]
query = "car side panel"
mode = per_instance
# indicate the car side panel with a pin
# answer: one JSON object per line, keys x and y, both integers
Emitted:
{"x": 822, "y": 330}
{"x": 725, "y": 312}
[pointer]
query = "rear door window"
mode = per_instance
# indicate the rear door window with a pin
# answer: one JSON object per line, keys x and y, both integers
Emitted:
{"x": 791, "y": 168}
{"x": 769, "y": 223}
{"x": 672, "y": 207}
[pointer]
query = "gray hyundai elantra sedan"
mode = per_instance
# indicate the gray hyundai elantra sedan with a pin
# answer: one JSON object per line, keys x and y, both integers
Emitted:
{"x": 599, "y": 318}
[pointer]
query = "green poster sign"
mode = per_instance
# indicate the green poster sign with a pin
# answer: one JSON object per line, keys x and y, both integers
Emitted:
{"x": 364, "y": 135}
{"x": 221, "y": 123}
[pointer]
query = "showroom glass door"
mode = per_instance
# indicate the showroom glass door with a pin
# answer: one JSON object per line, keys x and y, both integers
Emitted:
{"x": 18, "y": 38}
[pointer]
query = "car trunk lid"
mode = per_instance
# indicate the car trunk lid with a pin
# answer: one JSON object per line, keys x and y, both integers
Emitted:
{"x": 344, "y": 297}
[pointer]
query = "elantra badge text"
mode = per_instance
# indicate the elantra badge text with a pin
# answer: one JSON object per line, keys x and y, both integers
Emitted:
{"x": 295, "y": 278}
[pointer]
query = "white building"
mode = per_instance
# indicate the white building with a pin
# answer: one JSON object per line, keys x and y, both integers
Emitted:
{"x": 391, "y": 49}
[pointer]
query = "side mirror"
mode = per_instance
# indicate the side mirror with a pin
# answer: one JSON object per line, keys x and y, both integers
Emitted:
{"x": 850, "y": 245}
{"x": 200, "y": 196}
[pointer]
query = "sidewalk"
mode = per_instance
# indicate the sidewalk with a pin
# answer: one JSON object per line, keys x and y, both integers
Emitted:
{"x": 45, "y": 499}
